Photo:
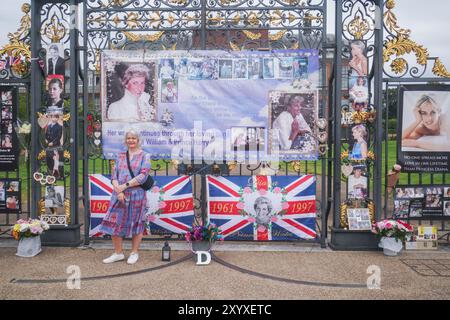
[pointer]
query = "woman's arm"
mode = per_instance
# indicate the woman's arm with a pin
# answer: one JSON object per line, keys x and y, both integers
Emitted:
{"x": 364, "y": 150}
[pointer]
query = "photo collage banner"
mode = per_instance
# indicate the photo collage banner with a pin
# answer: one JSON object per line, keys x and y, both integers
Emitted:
{"x": 51, "y": 120}
{"x": 423, "y": 142}
{"x": 357, "y": 119}
{"x": 212, "y": 105}
{"x": 10, "y": 196}
{"x": 415, "y": 201}
{"x": 9, "y": 144}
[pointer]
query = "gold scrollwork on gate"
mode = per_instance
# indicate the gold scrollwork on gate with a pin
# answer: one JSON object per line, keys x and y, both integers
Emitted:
{"x": 401, "y": 44}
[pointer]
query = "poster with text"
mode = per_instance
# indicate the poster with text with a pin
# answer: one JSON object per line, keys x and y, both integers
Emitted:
{"x": 210, "y": 105}
{"x": 423, "y": 141}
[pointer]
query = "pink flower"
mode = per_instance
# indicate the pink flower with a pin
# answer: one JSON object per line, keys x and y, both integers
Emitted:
{"x": 277, "y": 190}
{"x": 151, "y": 218}
{"x": 247, "y": 190}
{"x": 262, "y": 192}
{"x": 240, "y": 205}
{"x": 285, "y": 205}
{"x": 251, "y": 219}
{"x": 162, "y": 205}
{"x": 388, "y": 225}
{"x": 155, "y": 189}
{"x": 274, "y": 219}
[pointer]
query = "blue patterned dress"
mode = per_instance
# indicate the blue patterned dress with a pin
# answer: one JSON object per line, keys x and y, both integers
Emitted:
{"x": 128, "y": 219}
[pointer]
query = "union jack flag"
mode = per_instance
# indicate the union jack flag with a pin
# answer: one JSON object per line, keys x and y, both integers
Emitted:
{"x": 170, "y": 203}
{"x": 234, "y": 206}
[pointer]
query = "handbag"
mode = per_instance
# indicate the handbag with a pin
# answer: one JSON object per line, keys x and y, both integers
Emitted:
{"x": 148, "y": 184}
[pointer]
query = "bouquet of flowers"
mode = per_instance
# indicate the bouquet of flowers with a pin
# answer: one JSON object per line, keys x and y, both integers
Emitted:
{"x": 23, "y": 131}
{"x": 209, "y": 232}
{"x": 29, "y": 228}
{"x": 389, "y": 228}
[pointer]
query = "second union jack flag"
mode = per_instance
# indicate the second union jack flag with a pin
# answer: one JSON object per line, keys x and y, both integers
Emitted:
{"x": 263, "y": 208}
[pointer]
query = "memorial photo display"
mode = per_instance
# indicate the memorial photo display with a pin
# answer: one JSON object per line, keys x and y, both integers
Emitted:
{"x": 207, "y": 104}
{"x": 421, "y": 201}
{"x": 423, "y": 142}
{"x": 9, "y": 148}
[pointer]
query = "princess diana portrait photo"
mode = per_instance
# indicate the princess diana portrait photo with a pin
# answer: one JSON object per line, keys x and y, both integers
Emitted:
{"x": 130, "y": 92}
{"x": 425, "y": 125}
{"x": 239, "y": 68}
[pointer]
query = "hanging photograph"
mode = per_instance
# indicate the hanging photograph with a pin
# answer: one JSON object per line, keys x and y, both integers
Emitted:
{"x": 268, "y": 68}
{"x": 55, "y": 91}
{"x": 166, "y": 68}
{"x": 358, "y": 61}
{"x": 130, "y": 92}
{"x": 54, "y": 127}
{"x": 359, "y": 219}
{"x": 359, "y": 143}
{"x": 55, "y": 59}
{"x": 357, "y": 183}
{"x": 293, "y": 119}
{"x": 54, "y": 196}
{"x": 424, "y": 128}
{"x": 359, "y": 93}
{"x": 54, "y": 158}
{"x": 10, "y": 196}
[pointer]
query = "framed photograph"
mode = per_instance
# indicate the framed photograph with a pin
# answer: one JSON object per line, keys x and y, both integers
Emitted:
{"x": 424, "y": 142}
{"x": 358, "y": 61}
{"x": 54, "y": 196}
{"x": 210, "y": 69}
{"x": 359, "y": 145}
{"x": 55, "y": 59}
{"x": 359, "y": 219}
{"x": 447, "y": 208}
{"x": 447, "y": 192}
{"x": 7, "y": 97}
{"x": 53, "y": 130}
{"x": 225, "y": 68}
{"x": 130, "y": 93}
{"x": 293, "y": 124}
{"x": 240, "y": 69}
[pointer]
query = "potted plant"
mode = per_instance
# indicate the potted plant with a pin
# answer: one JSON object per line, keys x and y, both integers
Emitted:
{"x": 202, "y": 237}
{"x": 392, "y": 234}
{"x": 28, "y": 232}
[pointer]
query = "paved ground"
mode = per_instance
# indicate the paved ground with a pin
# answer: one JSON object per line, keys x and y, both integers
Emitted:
{"x": 241, "y": 271}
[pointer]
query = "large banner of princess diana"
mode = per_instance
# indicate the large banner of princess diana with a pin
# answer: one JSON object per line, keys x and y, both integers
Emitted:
{"x": 212, "y": 105}
{"x": 263, "y": 208}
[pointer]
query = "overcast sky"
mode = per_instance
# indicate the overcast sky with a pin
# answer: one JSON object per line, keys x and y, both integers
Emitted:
{"x": 428, "y": 21}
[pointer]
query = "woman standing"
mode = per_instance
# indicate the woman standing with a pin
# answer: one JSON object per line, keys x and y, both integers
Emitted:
{"x": 359, "y": 61}
{"x": 126, "y": 212}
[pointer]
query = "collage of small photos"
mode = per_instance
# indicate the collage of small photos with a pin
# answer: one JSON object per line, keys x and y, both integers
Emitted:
{"x": 418, "y": 201}
{"x": 10, "y": 196}
{"x": 172, "y": 69}
{"x": 359, "y": 219}
{"x": 51, "y": 121}
{"x": 7, "y": 118}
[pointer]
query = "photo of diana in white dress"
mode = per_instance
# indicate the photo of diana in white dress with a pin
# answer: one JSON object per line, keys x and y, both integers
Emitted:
{"x": 136, "y": 104}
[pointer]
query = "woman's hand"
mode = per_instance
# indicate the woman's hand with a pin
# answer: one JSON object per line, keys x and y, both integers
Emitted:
{"x": 120, "y": 188}
{"x": 121, "y": 197}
